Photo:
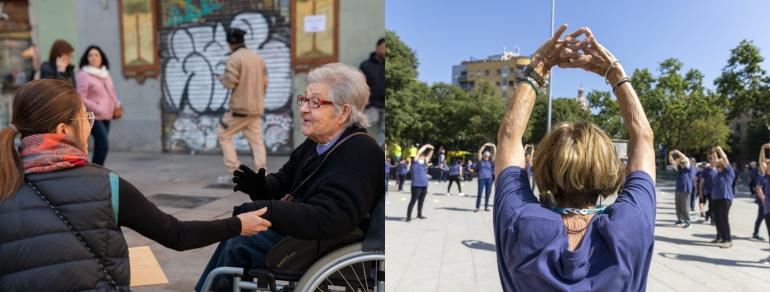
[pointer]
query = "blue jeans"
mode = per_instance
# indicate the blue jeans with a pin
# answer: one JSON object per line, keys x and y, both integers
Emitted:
{"x": 242, "y": 252}
{"x": 101, "y": 132}
{"x": 484, "y": 183}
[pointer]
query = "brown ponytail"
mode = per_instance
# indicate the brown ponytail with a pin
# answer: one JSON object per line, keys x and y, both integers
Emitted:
{"x": 10, "y": 164}
{"x": 38, "y": 107}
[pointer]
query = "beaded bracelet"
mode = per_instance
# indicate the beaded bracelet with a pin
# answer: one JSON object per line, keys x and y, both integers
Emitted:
{"x": 609, "y": 68}
{"x": 529, "y": 81}
{"x": 619, "y": 83}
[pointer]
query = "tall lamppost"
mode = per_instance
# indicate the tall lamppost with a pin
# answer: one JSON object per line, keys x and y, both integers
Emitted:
{"x": 550, "y": 77}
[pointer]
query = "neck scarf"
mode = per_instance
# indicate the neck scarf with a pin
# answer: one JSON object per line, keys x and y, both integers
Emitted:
{"x": 98, "y": 72}
{"x": 42, "y": 153}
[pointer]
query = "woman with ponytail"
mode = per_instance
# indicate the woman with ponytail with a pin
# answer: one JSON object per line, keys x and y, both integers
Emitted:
{"x": 61, "y": 215}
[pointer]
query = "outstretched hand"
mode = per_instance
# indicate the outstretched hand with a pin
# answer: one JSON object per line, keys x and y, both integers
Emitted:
{"x": 249, "y": 182}
{"x": 252, "y": 222}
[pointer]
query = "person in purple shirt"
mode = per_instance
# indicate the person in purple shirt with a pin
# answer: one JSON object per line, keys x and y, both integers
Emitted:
{"x": 755, "y": 179}
{"x": 485, "y": 168}
{"x": 722, "y": 197}
{"x": 578, "y": 244}
{"x": 693, "y": 186}
{"x": 699, "y": 188}
{"x": 707, "y": 187}
{"x": 402, "y": 169}
{"x": 419, "y": 169}
{"x": 455, "y": 173}
{"x": 683, "y": 186}
{"x": 763, "y": 189}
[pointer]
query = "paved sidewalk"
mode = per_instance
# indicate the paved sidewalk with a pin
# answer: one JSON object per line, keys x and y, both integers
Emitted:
{"x": 453, "y": 249}
{"x": 186, "y": 179}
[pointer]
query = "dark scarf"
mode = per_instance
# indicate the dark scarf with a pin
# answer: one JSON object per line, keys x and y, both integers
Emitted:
{"x": 41, "y": 153}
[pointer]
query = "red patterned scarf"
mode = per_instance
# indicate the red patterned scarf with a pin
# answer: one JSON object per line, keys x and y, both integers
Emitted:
{"x": 43, "y": 153}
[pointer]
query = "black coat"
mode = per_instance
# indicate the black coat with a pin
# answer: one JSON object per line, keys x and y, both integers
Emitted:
{"x": 374, "y": 70}
{"x": 38, "y": 252}
{"x": 49, "y": 71}
{"x": 335, "y": 200}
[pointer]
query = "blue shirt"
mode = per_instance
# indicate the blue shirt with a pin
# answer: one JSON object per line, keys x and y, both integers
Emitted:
{"x": 754, "y": 177}
{"x": 684, "y": 179}
{"x": 723, "y": 184}
{"x": 531, "y": 241}
{"x": 455, "y": 169}
{"x": 419, "y": 175}
{"x": 485, "y": 168}
{"x": 765, "y": 181}
{"x": 321, "y": 148}
{"x": 402, "y": 169}
{"x": 709, "y": 174}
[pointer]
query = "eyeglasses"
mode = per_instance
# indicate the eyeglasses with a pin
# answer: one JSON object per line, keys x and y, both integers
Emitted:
{"x": 314, "y": 102}
{"x": 90, "y": 117}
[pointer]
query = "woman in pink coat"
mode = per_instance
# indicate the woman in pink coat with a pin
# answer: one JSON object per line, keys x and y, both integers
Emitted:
{"x": 94, "y": 85}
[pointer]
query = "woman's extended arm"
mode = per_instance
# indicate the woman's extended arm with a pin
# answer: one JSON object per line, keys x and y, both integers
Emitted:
{"x": 141, "y": 215}
{"x": 600, "y": 61}
{"x": 515, "y": 120}
{"x": 763, "y": 158}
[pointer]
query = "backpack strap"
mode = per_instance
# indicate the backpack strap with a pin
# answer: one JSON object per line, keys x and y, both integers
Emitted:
{"x": 115, "y": 197}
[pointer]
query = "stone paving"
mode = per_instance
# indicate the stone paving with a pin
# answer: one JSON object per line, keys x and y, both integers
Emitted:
{"x": 453, "y": 249}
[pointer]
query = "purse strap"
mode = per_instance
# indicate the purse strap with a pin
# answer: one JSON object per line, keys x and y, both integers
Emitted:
{"x": 290, "y": 196}
{"x": 72, "y": 229}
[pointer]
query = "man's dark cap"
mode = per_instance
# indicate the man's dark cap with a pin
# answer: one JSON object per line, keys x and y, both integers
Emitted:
{"x": 235, "y": 36}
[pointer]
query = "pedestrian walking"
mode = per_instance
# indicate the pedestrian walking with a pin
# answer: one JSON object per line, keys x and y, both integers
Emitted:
{"x": 94, "y": 84}
{"x": 246, "y": 76}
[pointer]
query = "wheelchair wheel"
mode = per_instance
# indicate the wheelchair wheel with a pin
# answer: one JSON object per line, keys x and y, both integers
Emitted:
{"x": 346, "y": 269}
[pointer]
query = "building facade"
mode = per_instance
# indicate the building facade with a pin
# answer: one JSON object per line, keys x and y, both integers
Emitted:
{"x": 499, "y": 70}
{"x": 177, "y": 110}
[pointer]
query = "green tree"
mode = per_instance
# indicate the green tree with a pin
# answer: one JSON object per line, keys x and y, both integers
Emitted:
{"x": 566, "y": 110}
{"x": 402, "y": 89}
{"x": 607, "y": 114}
{"x": 744, "y": 88}
{"x": 743, "y": 84}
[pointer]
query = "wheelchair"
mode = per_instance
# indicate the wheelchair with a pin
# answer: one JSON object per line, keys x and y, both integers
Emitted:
{"x": 354, "y": 263}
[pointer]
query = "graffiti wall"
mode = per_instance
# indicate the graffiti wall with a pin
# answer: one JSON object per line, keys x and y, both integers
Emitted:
{"x": 194, "y": 52}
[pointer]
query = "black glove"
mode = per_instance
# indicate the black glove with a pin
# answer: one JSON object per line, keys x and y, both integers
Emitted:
{"x": 250, "y": 182}
{"x": 243, "y": 208}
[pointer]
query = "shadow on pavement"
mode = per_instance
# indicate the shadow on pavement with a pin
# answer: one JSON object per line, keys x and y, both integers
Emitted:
{"x": 455, "y": 209}
{"x": 475, "y": 244}
{"x": 712, "y": 236}
{"x": 722, "y": 262}
{"x": 395, "y": 218}
{"x": 683, "y": 241}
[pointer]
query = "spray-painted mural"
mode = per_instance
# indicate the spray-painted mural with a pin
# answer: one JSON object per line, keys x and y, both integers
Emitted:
{"x": 194, "y": 52}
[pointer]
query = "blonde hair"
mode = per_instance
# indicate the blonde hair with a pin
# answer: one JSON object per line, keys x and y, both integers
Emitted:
{"x": 577, "y": 164}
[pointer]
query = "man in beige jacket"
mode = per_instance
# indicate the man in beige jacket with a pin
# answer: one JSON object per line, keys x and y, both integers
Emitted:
{"x": 246, "y": 77}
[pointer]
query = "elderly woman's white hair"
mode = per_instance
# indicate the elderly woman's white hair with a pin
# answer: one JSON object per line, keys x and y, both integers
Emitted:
{"x": 347, "y": 85}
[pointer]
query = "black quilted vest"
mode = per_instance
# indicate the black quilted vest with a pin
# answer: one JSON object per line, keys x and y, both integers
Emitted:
{"x": 37, "y": 250}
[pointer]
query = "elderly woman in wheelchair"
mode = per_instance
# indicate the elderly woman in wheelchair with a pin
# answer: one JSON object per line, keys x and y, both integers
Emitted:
{"x": 328, "y": 195}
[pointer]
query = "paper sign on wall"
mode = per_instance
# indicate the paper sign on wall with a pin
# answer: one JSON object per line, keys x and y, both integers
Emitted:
{"x": 315, "y": 23}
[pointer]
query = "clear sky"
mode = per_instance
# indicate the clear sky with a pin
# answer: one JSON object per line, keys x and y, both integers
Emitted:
{"x": 640, "y": 33}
